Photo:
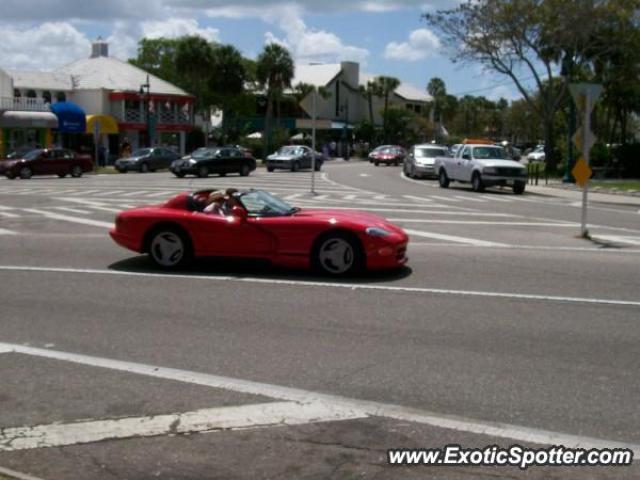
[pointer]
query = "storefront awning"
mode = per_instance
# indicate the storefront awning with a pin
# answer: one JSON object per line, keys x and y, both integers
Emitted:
{"x": 71, "y": 118}
{"x": 12, "y": 118}
{"x": 104, "y": 123}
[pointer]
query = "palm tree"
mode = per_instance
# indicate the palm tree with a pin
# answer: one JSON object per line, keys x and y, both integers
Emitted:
{"x": 368, "y": 93}
{"x": 274, "y": 72}
{"x": 385, "y": 86}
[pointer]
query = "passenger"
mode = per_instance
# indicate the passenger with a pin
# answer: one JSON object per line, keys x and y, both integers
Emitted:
{"x": 215, "y": 203}
{"x": 230, "y": 200}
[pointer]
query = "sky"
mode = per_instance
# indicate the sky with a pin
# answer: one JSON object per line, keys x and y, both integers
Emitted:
{"x": 387, "y": 37}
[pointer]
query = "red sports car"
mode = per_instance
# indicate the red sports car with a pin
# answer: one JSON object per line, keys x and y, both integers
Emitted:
{"x": 255, "y": 224}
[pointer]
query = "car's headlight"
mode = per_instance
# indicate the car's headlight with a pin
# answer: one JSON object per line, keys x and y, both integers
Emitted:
{"x": 192, "y": 161}
{"x": 490, "y": 171}
{"x": 377, "y": 232}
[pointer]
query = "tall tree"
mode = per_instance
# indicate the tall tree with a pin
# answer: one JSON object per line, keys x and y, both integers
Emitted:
{"x": 384, "y": 87}
{"x": 529, "y": 41}
{"x": 368, "y": 91}
{"x": 158, "y": 57}
{"x": 194, "y": 61}
{"x": 438, "y": 91}
{"x": 226, "y": 80}
{"x": 274, "y": 72}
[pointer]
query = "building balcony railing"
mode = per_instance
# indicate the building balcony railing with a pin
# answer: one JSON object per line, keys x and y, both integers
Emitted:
{"x": 23, "y": 104}
{"x": 163, "y": 117}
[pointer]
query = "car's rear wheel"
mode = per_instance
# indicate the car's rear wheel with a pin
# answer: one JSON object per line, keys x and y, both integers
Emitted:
{"x": 203, "y": 172}
{"x": 443, "y": 179}
{"x": 245, "y": 170}
{"x": 10, "y": 175}
{"x": 518, "y": 188}
{"x": 476, "y": 183}
{"x": 76, "y": 171}
{"x": 377, "y": 164}
{"x": 122, "y": 170}
{"x": 337, "y": 254}
{"x": 62, "y": 175}
{"x": 179, "y": 174}
{"x": 25, "y": 173}
{"x": 169, "y": 248}
{"x": 144, "y": 167}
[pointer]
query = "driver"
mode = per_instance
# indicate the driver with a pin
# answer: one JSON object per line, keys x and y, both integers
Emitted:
{"x": 215, "y": 203}
{"x": 230, "y": 200}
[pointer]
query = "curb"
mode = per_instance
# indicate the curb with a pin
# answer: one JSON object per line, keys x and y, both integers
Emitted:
{"x": 16, "y": 475}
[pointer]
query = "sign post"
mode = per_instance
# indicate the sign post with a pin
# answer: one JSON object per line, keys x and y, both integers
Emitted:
{"x": 96, "y": 139}
{"x": 313, "y": 144}
{"x": 585, "y": 96}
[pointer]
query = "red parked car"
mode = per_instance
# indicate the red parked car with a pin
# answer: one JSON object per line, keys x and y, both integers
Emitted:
{"x": 256, "y": 224}
{"x": 56, "y": 161}
{"x": 389, "y": 154}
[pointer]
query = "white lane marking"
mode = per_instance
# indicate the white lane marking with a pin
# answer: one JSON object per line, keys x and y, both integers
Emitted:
{"x": 419, "y": 199}
{"x": 17, "y": 475}
{"x": 470, "y": 199}
{"x": 365, "y": 175}
{"x": 292, "y": 197}
{"x": 325, "y": 177}
{"x": 419, "y": 182}
{"x": 481, "y": 222}
{"x": 8, "y": 215}
{"x": 161, "y": 194}
{"x": 2, "y": 207}
{"x": 365, "y": 407}
{"x": 530, "y": 247}
{"x": 73, "y": 210}
{"x": 495, "y": 198}
{"x": 453, "y": 238}
{"x": 135, "y": 192}
{"x": 419, "y": 209}
{"x": 105, "y": 209}
{"x": 349, "y": 197}
{"x": 383, "y": 197}
{"x": 66, "y": 218}
{"x": 4, "y": 231}
{"x": 446, "y": 199}
{"x": 618, "y": 239}
{"x": 309, "y": 283}
{"x": 208, "y": 419}
{"x": 111, "y": 192}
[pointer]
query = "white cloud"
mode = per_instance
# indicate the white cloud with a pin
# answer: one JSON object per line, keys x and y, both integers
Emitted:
{"x": 310, "y": 45}
{"x": 422, "y": 43}
{"x": 43, "y": 47}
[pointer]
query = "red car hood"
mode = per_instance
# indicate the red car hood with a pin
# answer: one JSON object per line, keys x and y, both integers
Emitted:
{"x": 364, "y": 219}
{"x": 8, "y": 162}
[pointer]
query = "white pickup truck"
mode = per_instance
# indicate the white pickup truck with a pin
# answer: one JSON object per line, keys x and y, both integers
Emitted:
{"x": 482, "y": 166}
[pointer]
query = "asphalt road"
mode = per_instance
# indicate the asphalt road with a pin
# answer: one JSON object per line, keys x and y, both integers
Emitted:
{"x": 504, "y": 328}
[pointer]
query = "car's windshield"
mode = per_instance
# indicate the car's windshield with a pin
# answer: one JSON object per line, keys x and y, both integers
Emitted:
{"x": 32, "y": 155}
{"x": 204, "y": 152}
{"x": 429, "y": 152}
{"x": 17, "y": 154}
{"x": 142, "y": 152}
{"x": 260, "y": 203}
{"x": 488, "y": 152}
{"x": 289, "y": 151}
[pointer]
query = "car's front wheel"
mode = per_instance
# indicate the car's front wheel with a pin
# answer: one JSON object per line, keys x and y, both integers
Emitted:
{"x": 144, "y": 167}
{"x": 295, "y": 166}
{"x": 443, "y": 179}
{"x": 169, "y": 248}
{"x": 476, "y": 183}
{"x": 10, "y": 175}
{"x": 76, "y": 171}
{"x": 62, "y": 175}
{"x": 338, "y": 254}
{"x": 203, "y": 172}
{"x": 25, "y": 173}
{"x": 245, "y": 170}
{"x": 518, "y": 188}
{"x": 179, "y": 174}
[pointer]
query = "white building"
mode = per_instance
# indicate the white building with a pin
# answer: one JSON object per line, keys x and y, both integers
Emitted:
{"x": 118, "y": 99}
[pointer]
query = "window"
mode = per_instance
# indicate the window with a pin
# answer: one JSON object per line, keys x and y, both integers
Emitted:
{"x": 61, "y": 97}
{"x": 16, "y": 93}
{"x": 46, "y": 96}
{"x": 32, "y": 94}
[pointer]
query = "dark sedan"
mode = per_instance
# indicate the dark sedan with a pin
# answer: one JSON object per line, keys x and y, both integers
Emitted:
{"x": 147, "y": 160}
{"x": 293, "y": 157}
{"x": 220, "y": 160}
{"x": 43, "y": 161}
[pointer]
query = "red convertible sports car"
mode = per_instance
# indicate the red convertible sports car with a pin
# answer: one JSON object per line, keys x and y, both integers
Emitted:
{"x": 255, "y": 224}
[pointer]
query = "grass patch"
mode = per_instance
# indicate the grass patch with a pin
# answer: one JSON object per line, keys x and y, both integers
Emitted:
{"x": 104, "y": 170}
{"x": 617, "y": 184}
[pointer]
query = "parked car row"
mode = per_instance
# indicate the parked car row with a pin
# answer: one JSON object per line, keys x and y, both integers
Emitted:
{"x": 44, "y": 161}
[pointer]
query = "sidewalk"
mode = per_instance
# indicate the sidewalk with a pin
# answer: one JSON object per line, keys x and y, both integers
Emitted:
{"x": 557, "y": 189}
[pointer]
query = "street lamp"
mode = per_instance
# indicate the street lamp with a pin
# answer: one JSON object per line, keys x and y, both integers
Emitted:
{"x": 345, "y": 109}
{"x": 145, "y": 93}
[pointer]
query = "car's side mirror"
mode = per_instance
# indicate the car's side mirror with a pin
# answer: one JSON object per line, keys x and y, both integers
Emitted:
{"x": 239, "y": 212}
{"x": 466, "y": 156}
